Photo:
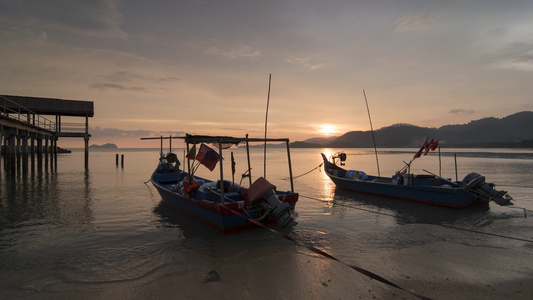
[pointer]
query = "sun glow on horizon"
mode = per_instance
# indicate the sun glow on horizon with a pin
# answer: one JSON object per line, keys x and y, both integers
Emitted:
{"x": 327, "y": 129}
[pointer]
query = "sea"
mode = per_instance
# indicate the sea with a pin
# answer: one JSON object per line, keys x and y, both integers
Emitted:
{"x": 67, "y": 230}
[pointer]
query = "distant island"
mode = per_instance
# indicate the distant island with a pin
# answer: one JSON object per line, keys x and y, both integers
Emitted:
{"x": 62, "y": 150}
{"x": 514, "y": 131}
{"x": 104, "y": 146}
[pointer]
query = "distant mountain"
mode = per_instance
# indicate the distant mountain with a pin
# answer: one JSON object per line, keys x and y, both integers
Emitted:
{"x": 512, "y": 128}
{"x": 512, "y": 131}
{"x": 320, "y": 140}
{"x": 105, "y": 146}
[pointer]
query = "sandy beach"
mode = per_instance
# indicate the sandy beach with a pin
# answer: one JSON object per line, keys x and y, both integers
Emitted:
{"x": 429, "y": 271}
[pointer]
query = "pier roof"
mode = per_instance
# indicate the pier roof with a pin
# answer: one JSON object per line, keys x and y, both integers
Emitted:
{"x": 50, "y": 106}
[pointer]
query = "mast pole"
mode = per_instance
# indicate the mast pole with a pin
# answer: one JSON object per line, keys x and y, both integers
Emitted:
{"x": 221, "y": 171}
{"x": 266, "y": 121}
{"x": 248, "y": 156}
{"x": 372, "y": 129}
{"x": 290, "y": 166}
{"x": 188, "y": 162}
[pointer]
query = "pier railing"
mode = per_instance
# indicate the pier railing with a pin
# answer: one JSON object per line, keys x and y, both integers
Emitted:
{"x": 15, "y": 111}
{"x": 73, "y": 127}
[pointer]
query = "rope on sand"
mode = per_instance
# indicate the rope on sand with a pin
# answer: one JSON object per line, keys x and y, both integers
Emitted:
{"x": 325, "y": 254}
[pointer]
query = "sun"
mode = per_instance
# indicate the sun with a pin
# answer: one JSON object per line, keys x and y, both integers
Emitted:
{"x": 327, "y": 129}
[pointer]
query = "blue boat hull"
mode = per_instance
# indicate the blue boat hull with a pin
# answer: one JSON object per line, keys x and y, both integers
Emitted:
{"x": 225, "y": 217}
{"x": 208, "y": 216}
{"x": 430, "y": 191}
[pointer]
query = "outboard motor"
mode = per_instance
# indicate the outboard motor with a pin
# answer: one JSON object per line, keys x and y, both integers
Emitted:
{"x": 339, "y": 155}
{"x": 476, "y": 183}
{"x": 167, "y": 162}
{"x": 280, "y": 211}
{"x": 261, "y": 193}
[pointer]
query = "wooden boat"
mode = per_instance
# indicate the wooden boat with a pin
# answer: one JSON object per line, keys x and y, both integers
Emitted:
{"x": 426, "y": 188}
{"x": 222, "y": 204}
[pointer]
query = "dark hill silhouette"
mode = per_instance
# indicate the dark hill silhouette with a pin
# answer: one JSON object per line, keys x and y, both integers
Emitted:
{"x": 490, "y": 130}
{"x": 512, "y": 131}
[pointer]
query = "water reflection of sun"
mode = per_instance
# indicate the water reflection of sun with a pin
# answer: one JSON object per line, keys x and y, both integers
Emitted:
{"x": 328, "y": 190}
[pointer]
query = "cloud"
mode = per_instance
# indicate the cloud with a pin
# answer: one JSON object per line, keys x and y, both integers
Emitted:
{"x": 305, "y": 62}
{"x": 98, "y": 18}
{"x": 497, "y": 32}
{"x": 462, "y": 111}
{"x": 29, "y": 35}
{"x": 167, "y": 79}
{"x": 112, "y": 86}
{"x": 125, "y": 138}
{"x": 116, "y": 78}
{"x": 99, "y": 132}
{"x": 126, "y": 76}
{"x": 518, "y": 55}
{"x": 414, "y": 22}
{"x": 234, "y": 52}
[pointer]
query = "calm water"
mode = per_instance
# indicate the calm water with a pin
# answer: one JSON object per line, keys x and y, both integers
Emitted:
{"x": 71, "y": 230}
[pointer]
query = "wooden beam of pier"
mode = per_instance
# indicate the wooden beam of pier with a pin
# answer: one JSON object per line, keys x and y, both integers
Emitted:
{"x": 22, "y": 117}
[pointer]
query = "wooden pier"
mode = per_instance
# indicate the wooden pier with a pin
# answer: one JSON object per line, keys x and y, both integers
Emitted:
{"x": 27, "y": 131}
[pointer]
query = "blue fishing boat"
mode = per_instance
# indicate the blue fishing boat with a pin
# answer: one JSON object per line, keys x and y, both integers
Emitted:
{"x": 425, "y": 188}
{"x": 223, "y": 204}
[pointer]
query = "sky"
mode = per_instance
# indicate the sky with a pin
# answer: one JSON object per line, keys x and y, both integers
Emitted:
{"x": 167, "y": 67}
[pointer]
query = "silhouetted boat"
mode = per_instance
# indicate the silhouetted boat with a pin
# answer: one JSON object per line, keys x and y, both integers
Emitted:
{"x": 430, "y": 188}
{"x": 222, "y": 204}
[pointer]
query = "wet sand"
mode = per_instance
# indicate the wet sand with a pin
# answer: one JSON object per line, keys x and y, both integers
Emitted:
{"x": 436, "y": 272}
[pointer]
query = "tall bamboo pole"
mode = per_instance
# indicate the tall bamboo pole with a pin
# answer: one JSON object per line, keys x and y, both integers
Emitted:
{"x": 266, "y": 122}
{"x": 372, "y": 129}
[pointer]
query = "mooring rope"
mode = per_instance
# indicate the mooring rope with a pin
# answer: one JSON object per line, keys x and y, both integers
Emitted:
{"x": 317, "y": 167}
{"x": 325, "y": 254}
{"x": 428, "y": 223}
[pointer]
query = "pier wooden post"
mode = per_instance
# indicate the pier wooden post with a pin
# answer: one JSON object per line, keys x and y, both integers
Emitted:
{"x": 25, "y": 152}
{"x": 11, "y": 155}
{"x": 32, "y": 151}
{"x": 46, "y": 150}
{"x": 17, "y": 149}
{"x": 2, "y": 148}
{"x": 86, "y": 138}
{"x": 32, "y": 144}
{"x": 86, "y": 151}
{"x": 39, "y": 152}
{"x": 45, "y": 147}
{"x": 53, "y": 153}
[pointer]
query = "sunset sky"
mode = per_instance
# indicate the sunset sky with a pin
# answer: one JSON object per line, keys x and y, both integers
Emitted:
{"x": 202, "y": 67}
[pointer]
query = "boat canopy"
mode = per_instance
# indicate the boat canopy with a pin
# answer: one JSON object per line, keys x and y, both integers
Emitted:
{"x": 189, "y": 138}
{"x": 216, "y": 140}
{"x": 225, "y": 142}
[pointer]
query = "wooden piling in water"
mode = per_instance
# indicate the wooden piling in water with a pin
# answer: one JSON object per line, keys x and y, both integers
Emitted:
{"x": 86, "y": 138}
